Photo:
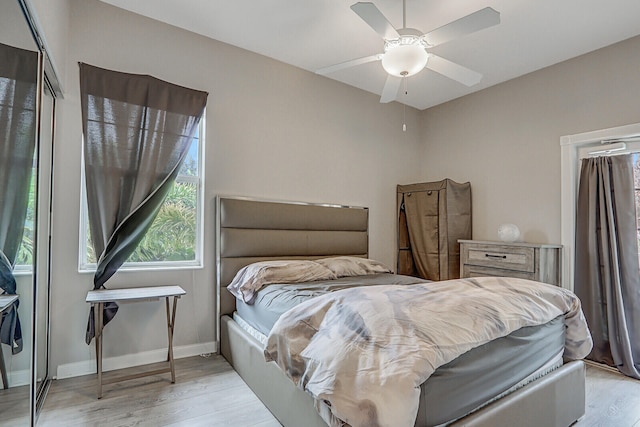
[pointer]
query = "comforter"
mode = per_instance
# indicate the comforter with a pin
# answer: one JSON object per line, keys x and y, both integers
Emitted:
{"x": 364, "y": 352}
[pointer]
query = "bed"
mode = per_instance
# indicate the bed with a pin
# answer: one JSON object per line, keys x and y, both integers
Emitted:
{"x": 249, "y": 231}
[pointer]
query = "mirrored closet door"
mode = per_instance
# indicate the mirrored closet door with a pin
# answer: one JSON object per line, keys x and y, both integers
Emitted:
{"x": 27, "y": 105}
{"x": 41, "y": 376}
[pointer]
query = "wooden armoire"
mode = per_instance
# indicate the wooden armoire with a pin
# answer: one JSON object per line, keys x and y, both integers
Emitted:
{"x": 432, "y": 217}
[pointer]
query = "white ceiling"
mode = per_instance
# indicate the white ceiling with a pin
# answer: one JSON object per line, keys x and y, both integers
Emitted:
{"x": 311, "y": 34}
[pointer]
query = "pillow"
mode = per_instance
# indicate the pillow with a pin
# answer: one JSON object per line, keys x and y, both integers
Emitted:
{"x": 344, "y": 266}
{"x": 250, "y": 279}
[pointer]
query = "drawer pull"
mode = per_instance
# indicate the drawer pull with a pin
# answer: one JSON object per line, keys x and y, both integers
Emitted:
{"x": 495, "y": 256}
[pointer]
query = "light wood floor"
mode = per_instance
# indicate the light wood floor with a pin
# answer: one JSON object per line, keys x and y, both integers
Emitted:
{"x": 208, "y": 392}
{"x": 613, "y": 400}
{"x": 14, "y": 406}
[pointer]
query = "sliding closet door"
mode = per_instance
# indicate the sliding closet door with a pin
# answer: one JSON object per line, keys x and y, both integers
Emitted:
{"x": 19, "y": 82}
{"x": 43, "y": 255}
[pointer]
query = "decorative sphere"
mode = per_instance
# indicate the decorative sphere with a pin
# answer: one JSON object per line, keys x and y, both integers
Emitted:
{"x": 508, "y": 232}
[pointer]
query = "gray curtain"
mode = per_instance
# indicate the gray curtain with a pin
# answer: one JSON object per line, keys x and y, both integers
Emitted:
{"x": 137, "y": 131}
{"x": 607, "y": 273}
{"x": 18, "y": 97}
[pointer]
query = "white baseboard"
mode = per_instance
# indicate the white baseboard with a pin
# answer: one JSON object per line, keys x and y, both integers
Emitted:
{"x": 86, "y": 367}
{"x": 18, "y": 378}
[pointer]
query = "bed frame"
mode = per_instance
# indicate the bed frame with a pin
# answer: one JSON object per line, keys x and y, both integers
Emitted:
{"x": 249, "y": 230}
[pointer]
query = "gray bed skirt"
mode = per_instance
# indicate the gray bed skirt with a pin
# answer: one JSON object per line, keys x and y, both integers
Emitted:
{"x": 556, "y": 400}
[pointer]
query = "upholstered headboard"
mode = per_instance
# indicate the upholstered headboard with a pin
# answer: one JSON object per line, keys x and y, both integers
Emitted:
{"x": 249, "y": 230}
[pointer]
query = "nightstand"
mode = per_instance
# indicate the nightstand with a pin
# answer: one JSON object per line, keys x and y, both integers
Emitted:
{"x": 531, "y": 261}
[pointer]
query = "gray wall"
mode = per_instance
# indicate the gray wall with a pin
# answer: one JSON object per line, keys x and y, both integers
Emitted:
{"x": 505, "y": 139}
{"x": 272, "y": 131}
{"x": 53, "y": 19}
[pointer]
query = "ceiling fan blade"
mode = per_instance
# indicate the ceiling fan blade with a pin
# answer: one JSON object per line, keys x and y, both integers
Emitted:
{"x": 376, "y": 20}
{"x": 484, "y": 18}
{"x": 453, "y": 71}
{"x": 347, "y": 64}
{"x": 390, "y": 90}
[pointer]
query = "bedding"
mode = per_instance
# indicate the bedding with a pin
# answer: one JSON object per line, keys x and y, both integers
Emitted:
{"x": 251, "y": 278}
{"x": 482, "y": 374}
{"x": 366, "y": 358}
{"x": 485, "y": 373}
{"x": 274, "y": 300}
{"x": 347, "y": 266}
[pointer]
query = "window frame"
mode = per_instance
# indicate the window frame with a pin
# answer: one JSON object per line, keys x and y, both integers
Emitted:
{"x": 27, "y": 269}
{"x": 199, "y": 180}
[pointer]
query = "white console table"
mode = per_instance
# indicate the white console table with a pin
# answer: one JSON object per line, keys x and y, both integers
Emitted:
{"x": 6, "y": 301}
{"x": 98, "y": 298}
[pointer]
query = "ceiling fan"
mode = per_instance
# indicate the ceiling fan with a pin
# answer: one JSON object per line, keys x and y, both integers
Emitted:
{"x": 406, "y": 50}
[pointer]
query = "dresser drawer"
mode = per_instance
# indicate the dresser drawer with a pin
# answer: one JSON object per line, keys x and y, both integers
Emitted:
{"x": 478, "y": 271}
{"x": 522, "y": 260}
{"x": 504, "y": 257}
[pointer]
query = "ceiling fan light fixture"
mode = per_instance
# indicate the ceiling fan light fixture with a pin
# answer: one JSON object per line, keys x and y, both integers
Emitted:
{"x": 405, "y": 56}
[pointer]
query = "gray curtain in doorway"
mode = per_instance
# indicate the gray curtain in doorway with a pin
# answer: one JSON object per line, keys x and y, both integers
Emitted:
{"x": 137, "y": 131}
{"x": 607, "y": 273}
{"x": 18, "y": 100}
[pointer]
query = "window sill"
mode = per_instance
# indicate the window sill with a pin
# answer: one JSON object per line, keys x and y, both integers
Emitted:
{"x": 91, "y": 269}
{"x": 21, "y": 272}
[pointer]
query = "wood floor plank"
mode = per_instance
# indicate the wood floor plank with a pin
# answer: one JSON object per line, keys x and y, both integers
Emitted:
{"x": 14, "y": 406}
{"x": 612, "y": 400}
{"x": 208, "y": 392}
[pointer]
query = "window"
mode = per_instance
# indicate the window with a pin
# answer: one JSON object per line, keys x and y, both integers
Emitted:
{"x": 24, "y": 259}
{"x": 175, "y": 237}
{"x": 18, "y": 164}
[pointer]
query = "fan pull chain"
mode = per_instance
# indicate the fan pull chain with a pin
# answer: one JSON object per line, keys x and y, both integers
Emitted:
{"x": 404, "y": 110}
{"x": 404, "y": 116}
